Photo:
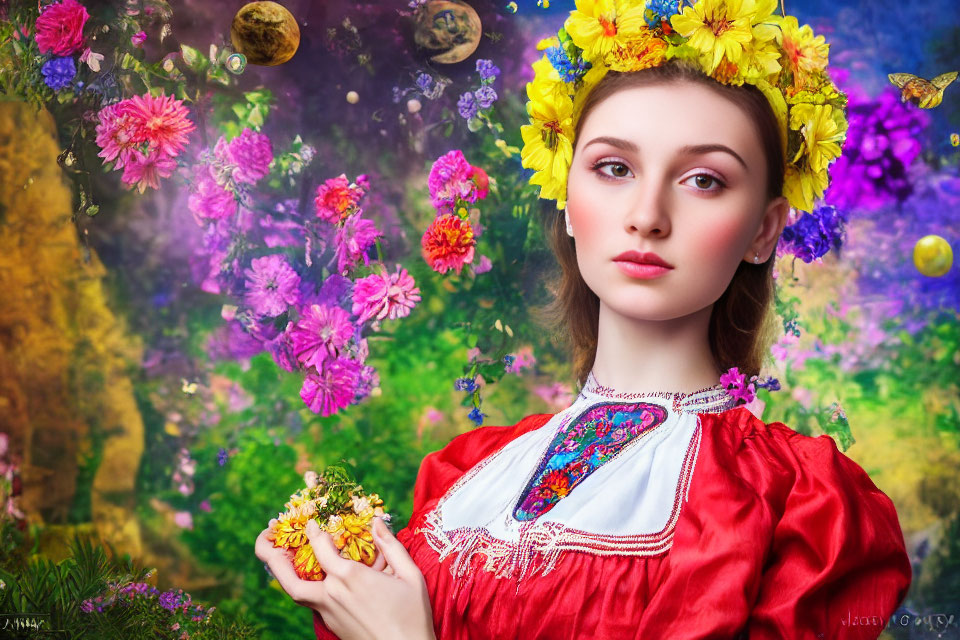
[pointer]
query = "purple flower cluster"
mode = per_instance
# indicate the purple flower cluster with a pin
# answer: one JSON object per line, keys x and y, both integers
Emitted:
{"x": 883, "y": 140}
{"x": 738, "y": 386}
{"x": 272, "y": 285}
{"x": 813, "y": 234}
{"x": 277, "y": 269}
{"x": 175, "y": 601}
{"x": 471, "y": 103}
{"x": 58, "y": 72}
{"x": 249, "y": 155}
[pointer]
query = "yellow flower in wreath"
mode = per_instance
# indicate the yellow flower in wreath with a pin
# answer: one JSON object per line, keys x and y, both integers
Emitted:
{"x": 600, "y": 27}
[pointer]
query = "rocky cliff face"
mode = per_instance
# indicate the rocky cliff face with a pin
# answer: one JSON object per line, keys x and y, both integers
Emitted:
{"x": 65, "y": 396}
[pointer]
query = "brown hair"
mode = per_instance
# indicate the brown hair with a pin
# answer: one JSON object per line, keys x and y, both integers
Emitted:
{"x": 743, "y": 322}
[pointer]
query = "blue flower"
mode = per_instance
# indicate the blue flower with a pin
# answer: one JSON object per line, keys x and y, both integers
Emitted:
{"x": 58, "y": 72}
{"x": 467, "y": 106}
{"x": 509, "y": 359}
{"x": 657, "y": 10}
{"x": 485, "y": 96}
{"x": 569, "y": 70}
{"x": 487, "y": 69}
{"x": 222, "y": 456}
{"x": 814, "y": 234}
{"x": 465, "y": 384}
{"x": 424, "y": 82}
{"x": 476, "y": 416}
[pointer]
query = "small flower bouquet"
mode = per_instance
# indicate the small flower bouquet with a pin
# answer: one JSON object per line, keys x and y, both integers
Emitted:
{"x": 341, "y": 508}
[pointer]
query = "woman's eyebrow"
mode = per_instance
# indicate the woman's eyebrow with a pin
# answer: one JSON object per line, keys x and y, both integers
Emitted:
{"x": 688, "y": 150}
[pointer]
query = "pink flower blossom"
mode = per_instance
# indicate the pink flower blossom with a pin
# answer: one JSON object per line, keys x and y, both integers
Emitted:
{"x": 161, "y": 121}
{"x": 450, "y": 178}
{"x": 92, "y": 58}
{"x": 143, "y": 171}
{"x": 483, "y": 265}
{"x": 333, "y": 388}
{"x": 115, "y": 135}
{"x": 319, "y": 333}
{"x": 250, "y": 155}
{"x": 523, "y": 359}
{"x": 183, "y": 519}
{"x": 379, "y": 297}
{"x": 138, "y": 38}
{"x": 352, "y": 241}
{"x": 272, "y": 285}
{"x": 336, "y": 198}
{"x": 209, "y": 200}
{"x": 60, "y": 27}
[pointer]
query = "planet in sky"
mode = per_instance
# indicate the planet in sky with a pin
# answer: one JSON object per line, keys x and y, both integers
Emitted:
{"x": 265, "y": 32}
{"x": 449, "y": 28}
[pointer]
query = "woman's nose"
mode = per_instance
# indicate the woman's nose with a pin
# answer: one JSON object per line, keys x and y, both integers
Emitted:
{"x": 647, "y": 206}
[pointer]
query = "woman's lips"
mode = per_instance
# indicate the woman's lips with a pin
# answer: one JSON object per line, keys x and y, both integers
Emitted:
{"x": 642, "y": 271}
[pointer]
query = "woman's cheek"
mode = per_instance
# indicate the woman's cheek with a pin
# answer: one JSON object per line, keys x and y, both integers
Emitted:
{"x": 715, "y": 240}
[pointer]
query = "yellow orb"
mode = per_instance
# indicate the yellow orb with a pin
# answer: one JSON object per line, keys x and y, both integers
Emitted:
{"x": 353, "y": 97}
{"x": 932, "y": 256}
{"x": 955, "y": 139}
{"x": 265, "y": 32}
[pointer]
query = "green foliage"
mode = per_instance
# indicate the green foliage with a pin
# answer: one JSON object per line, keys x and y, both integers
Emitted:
{"x": 55, "y": 592}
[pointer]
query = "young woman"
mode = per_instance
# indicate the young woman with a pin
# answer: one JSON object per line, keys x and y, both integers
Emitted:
{"x": 654, "y": 506}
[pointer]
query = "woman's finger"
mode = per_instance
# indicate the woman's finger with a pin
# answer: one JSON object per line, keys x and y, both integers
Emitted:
{"x": 303, "y": 592}
{"x": 326, "y": 550}
{"x": 380, "y": 563}
{"x": 397, "y": 557}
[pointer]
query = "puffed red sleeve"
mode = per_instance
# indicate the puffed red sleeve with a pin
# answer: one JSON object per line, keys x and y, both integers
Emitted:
{"x": 782, "y": 537}
{"x": 441, "y": 468}
{"x": 838, "y": 566}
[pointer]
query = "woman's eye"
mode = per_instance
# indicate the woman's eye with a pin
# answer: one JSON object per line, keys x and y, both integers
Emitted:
{"x": 704, "y": 180}
{"x": 616, "y": 169}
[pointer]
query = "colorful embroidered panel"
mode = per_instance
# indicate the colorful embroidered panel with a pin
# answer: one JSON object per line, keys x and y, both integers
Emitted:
{"x": 582, "y": 446}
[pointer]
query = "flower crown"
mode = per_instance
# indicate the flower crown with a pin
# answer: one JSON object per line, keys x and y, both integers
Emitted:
{"x": 732, "y": 41}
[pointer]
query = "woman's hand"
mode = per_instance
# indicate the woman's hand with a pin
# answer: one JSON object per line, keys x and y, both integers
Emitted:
{"x": 354, "y": 600}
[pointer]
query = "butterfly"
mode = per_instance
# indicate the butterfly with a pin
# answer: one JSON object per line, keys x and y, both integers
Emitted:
{"x": 925, "y": 94}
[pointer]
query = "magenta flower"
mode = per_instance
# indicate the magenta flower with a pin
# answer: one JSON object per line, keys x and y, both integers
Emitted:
{"x": 272, "y": 285}
{"x": 60, "y": 28}
{"x": 160, "y": 121}
{"x": 450, "y": 177}
{"x": 379, "y": 297}
{"x": 250, "y": 154}
{"x": 333, "y": 388}
{"x": 321, "y": 331}
{"x": 209, "y": 200}
{"x": 352, "y": 241}
{"x": 142, "y": 171}
{"x": 115, "y": 135}
{"x": 138, "y": 38}
{"x": 336, "y": 198}
{"x": 736, "y": 385}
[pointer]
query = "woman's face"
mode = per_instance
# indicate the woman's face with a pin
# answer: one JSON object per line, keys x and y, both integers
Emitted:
{"x": 677, "y": 170}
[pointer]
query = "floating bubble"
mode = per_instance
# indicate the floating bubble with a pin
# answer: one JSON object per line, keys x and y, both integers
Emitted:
{"x": 236, "y": 63}
{"x": 932, "y": 256}
{"x": 543, "y": 3}
{"x": 511, "y": 7}
{"x": 353, "y": 97}
{"x": 955, "y": 139}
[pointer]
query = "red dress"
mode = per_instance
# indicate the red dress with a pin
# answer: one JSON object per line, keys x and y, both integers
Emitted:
{"x": 772, "y": 534}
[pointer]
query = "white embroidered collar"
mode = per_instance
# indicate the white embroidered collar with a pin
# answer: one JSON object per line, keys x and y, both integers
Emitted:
{"x": 627, "y": 504}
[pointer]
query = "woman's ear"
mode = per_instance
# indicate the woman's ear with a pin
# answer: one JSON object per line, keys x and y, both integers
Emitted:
{"x": 774, "y": 221}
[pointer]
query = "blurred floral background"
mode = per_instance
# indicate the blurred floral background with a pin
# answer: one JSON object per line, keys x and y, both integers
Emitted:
{"x": 217, "y": 274}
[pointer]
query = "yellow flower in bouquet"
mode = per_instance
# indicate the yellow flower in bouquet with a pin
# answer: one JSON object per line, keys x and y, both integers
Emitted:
{"x": 341, "y": 508}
